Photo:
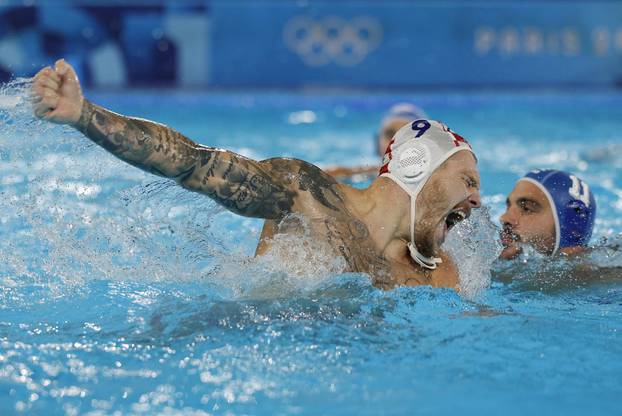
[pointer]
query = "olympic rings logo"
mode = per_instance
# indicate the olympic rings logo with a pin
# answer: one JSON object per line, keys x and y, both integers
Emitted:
{"x": 332, "y": 39}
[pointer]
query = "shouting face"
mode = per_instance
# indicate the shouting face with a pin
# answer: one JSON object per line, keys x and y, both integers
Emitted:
{"x": 446, "y": 199}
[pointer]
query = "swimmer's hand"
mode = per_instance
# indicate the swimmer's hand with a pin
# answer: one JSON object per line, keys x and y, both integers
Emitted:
{"x": 57, "y": 96}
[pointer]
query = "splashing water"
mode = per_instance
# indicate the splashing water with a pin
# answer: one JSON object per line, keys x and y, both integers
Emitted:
{"x": 24, "y": 134}
{"x": 87, "y": 216}
{"x": 122, "y": 293}
{"x": 293, "y": 264}
{"x": 474, "y": 245}
{"x": 533, "y": 271}
{"x": 82, "y": 215}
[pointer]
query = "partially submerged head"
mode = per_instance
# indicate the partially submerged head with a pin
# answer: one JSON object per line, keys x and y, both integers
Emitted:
{"x": 438, "y": 170}
{"x": 551, "y": 210}
{"x": 394, "y": 119}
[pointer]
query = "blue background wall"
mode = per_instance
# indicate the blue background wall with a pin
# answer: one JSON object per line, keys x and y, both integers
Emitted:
{"x": 283, "y": 43}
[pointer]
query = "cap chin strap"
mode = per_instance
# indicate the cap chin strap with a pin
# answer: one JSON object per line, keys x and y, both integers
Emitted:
{"x": 426, "y": 262}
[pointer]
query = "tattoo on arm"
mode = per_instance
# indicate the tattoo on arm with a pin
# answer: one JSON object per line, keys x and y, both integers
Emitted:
{"x": 242, "y": 185}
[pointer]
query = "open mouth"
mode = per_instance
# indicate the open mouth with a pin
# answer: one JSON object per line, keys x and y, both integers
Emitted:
{"x": 455, "y": 216}
{"x": 508, "y": 237}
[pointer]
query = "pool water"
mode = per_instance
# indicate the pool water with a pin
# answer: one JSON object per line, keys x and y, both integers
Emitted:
{"x": 123, "y": 294}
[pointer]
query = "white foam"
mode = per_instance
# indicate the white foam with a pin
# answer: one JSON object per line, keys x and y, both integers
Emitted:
{"x": 294, "y": 263}
{"x": 8, "y": 102}
{"x": 474, "y": 245}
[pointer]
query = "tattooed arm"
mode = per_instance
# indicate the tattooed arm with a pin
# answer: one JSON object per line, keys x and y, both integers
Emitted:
{"x": 244, "y": 186}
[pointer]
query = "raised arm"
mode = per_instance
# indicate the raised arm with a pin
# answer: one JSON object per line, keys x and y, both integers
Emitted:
{"x": 242, "y": 185}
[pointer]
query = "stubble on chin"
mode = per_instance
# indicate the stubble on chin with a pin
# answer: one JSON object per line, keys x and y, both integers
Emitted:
{"x": 432, "y": 205}
{"x": 425, "y": 235}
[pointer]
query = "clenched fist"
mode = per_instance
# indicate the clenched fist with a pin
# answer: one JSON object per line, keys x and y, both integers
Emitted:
{"x": 57, "y": 94}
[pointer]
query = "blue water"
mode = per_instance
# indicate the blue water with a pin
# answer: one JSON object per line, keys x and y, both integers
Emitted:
{"x": 122, "y": 293}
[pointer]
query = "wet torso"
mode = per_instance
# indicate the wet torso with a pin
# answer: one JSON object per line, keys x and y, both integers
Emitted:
{"x": 323, "y": 212}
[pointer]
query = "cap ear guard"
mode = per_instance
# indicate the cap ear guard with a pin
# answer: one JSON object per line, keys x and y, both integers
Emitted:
{"x": 412, "y": 163}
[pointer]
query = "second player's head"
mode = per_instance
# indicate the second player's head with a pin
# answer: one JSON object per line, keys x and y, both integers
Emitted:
{"x": 395, "y": 118}
{"x": 550, "y": 210}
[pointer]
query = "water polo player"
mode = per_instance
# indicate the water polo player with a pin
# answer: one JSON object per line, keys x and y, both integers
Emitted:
{"x": 391, "y": 230}
{"x": 395, "y": 118}
{"x": 551, "y": 210}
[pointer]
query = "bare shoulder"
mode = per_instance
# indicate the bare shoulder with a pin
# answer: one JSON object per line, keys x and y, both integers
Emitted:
{"x": 404, "y": 272}
{"x": 291, "y": 169}
{"x": 446, "y": 274}
{"x": 308, "y": 180}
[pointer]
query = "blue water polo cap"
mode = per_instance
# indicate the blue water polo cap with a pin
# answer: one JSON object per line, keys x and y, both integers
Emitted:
{"x": 572, "y": 202}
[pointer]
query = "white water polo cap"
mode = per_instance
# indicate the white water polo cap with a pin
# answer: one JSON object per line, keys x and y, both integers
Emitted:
{"x": 414, "y": 153}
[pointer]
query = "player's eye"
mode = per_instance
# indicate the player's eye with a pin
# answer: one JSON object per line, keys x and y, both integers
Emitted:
{"x": 470, "y": 182}
{"x": 526, "y": 207}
